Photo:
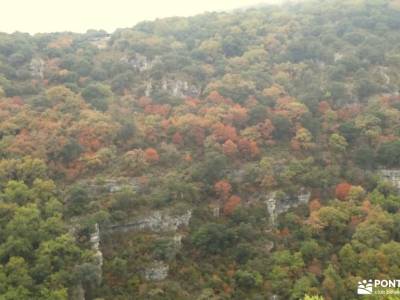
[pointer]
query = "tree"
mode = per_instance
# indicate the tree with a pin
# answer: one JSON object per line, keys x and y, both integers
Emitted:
{"x": 213, "y": 238}
{"x": 310, "y": 250}
{"x": 333, "y": 222}
{"x": 212, "y": 168}
{"x": 177, "y": 138}
{"x": 370, "y": 235}
{"x": 303, "y": 285}
{"x": 38, "y": 255}
{"x": 302, "y": 140}
{"x": 248, "y": 280}
{"x": 333, "y": 285}
{"x": 134, "y": 161}
{"x": 57, "y": 259}
{"x": 356, "y": 193}
{"x": 78, "y": 200}
{"x": 223, "y": 189}
{"x": 342, "y": 190}
{"x": 17, "y": 192}
{"x": 364, "y": 157}
{"x": 282, "y": 127}
{"x": 337, "y": 143}
{"x": 248, "y": 148}
{"x": 389, "y": 154}
{"x": 151, "y": 155}
{"x": 18, "y": 281}
{"x": 348, "y": 258}
{"x": 231, "y": 204}
{"x": 98, "y": 95}
{"x": 229, "y": 148}
{"x": 70, "y": 151}
{"x": 26, "y": 170}
{"x": 223, "y": 132}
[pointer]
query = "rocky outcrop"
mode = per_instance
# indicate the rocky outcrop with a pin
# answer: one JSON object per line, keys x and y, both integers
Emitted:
{"x": 100, "y": 42}
{"x": 215, "y": 209}
{"x": 157, "y": 271}
{"x": 162, "y": 222}
{"x": 275, "y": 206}
{"x": 95, "y": 240}
{"x": 116, "y": 185}
{"x": 149, "y": 88}
{"x": 95, "y": 268}
{"x": 269, "y": 245}
{"x": 175, "y": 87}
{"x": 392, "y": 175}
{"x": 140, "y": 62}
{"x": 158, "y": 221}
{"x": 37, "y": 68}
{"x": 112, "y": 185}
{"x": 180, "y": 88}
{"x": 178, "y": 240}
{"x": 337, "y": 56}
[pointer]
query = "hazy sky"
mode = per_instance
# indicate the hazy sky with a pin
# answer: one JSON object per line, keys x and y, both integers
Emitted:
{"x": 79, "y": 15}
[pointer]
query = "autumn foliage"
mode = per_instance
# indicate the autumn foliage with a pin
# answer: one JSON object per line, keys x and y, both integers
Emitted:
{"x": 231, "y": 204}
{"x": 223, "y": 132}
{"x": 248, "y": 148}
{"x": 177, "y": 138}
{"x": 229, "y": 148}
{"x": 223, "y": 189}
{"x": 151, "y": 155}
{"x": 314, "y": 205}
{"x": 342, "y": 190}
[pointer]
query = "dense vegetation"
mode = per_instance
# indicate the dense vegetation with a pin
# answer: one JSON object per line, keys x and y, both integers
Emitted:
{"x": 216, "y": 110}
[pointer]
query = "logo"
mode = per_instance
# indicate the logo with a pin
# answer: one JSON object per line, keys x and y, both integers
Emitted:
{"x": 379, "y": 287}
{"x": 365, "y": 287}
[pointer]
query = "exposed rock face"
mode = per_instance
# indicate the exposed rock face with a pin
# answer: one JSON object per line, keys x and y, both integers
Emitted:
{"x": 140, "y": 62}
{"x": 157, "y": 222}
{"x": 165, "y": 224}
{"x": 100, "y": 42}
{"x": 158, "y": 271}
{"x": 77, "y": 292}
{"x": 178, "y": 240}
{"x": 149, "y": 88}
{"x": 304, "y": 198}
{"x": 37, "y": 68}
{"x": 95, "y": 240}
{"x": 177, "y": 88}
{"x": 271, "y": 207}
{"x": 216, "y": 212}
{"x": 393, "y": 176}
{"x": 338, "y": 56}
{"x": 269, "y": 246}
{"x": 180, "y": 88}
{"x": 276, "y": 207}
{"x": 113, "y": 185}
{"x": 382, "y": 71}
{"x": 215, "y": 209}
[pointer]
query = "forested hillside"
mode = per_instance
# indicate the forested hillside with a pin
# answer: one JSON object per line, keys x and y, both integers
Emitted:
{"x": 245, "y": 155}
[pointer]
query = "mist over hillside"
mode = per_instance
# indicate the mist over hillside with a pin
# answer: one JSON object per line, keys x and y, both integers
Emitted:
{"x": 262, "y": 4}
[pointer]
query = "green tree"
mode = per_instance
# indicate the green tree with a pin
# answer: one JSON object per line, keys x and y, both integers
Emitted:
{"x": 337, "y": 143}
{"x": 98, "y": 95}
